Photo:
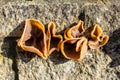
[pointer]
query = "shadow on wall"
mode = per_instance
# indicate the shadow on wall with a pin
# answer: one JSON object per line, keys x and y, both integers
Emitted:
{"x": 10, "y": 49}
{"x": 113, "y": 48}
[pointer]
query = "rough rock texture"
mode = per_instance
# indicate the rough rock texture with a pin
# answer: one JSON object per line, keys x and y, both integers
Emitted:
{"x": 101, "y": 64}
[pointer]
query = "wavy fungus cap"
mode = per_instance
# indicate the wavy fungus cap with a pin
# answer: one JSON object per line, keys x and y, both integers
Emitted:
{"x": 53, "y": 41}
{"x": 97, "y": 39}
{"x": 34, "y": 39}
{"x": 75, "y": 44}
{"x": 76, "y": 50}
{"x": 96, "y": 32}
{"x": 75, "y": 31}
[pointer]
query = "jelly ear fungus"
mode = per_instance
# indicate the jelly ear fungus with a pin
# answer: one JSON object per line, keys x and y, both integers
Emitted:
{"x": 97, "y": 40}
{"x": 75, "y": 44}
{"x": 34, "y": 39}
{"x": 53, "y": 40}
{"x": 76, "y": 41}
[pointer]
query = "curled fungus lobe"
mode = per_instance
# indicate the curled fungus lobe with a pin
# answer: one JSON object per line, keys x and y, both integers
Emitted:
{"x": 97, "y": 39}
{"x": 34, "y": 39}
{"x": 75, "y": 44}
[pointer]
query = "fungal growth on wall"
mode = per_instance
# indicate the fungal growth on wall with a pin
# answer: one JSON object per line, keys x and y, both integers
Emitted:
{"x": 74, "y": 46}
{"x": 76, "y": 43}
{"x": 97, "y": 38}
{"x": 34, "y": 39}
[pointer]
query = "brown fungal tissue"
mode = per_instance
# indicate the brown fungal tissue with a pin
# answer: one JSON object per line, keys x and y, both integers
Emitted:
{"x": 75, "y": 45}
{"x": 43, "y": 42}
{"x": 97, "y": 39}
{"x": 34, "y": 39}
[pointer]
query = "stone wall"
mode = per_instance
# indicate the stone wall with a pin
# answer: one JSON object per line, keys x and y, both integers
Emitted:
{"x": 100, "y": 64}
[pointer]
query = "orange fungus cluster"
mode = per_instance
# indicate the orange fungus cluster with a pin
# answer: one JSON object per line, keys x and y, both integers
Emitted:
{"x": 75, "y": 45}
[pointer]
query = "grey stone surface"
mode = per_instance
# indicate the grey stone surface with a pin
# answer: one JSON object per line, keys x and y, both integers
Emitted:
{"x": 101, "y": 64}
